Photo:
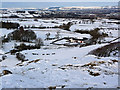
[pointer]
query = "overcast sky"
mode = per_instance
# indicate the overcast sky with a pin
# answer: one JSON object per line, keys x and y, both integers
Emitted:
{"x": 59, "y": 0}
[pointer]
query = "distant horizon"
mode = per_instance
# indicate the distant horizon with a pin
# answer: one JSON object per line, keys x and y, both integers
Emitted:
{"x": 56, "y": 4}
{"x": 60, "y": 1}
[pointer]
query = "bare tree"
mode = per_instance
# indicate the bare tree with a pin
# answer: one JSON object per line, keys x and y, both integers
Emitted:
{"x": 39, "y": 42}
{"x": 57, "y": 36}
{"x": 47, "y": 36}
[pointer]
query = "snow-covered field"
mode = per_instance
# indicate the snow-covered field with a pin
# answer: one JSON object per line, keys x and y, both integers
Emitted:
{"x": 58, "y": 65}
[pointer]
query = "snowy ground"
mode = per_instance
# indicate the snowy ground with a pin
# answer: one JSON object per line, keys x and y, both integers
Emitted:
{"x": 59, "y": 66}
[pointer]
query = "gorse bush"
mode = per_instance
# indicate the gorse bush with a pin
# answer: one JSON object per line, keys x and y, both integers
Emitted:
{"x": 20, "y": 56}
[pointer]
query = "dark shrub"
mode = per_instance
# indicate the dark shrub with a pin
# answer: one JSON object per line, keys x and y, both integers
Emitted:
{"x": 108, "y": 50}
{"x": 22, "y": 35}
{"x": 9, "y": 25}
{"x": 66, "y": 26}
{"x": 20, "y": 56}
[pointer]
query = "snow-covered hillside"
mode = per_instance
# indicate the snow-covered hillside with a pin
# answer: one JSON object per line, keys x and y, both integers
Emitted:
{"x": 63, "y": 65}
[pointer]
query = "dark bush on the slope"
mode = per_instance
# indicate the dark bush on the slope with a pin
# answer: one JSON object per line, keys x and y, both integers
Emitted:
{"x": 20, "y": 56}
{"x": 111, "y": 49}
{"x": 13, "y": 16}
{"x": 4, "y": 57}
{"x": 66, "y": 26}
{"x": 14, "y": 51}
{"x": 23, "y": 46}
{"x": 35, "y": 19}
{"x": 9, "y": 25}
{"x": 94, "y": 33}
{"x": 5, "y": 40}
{"x": 22, "y": 35}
